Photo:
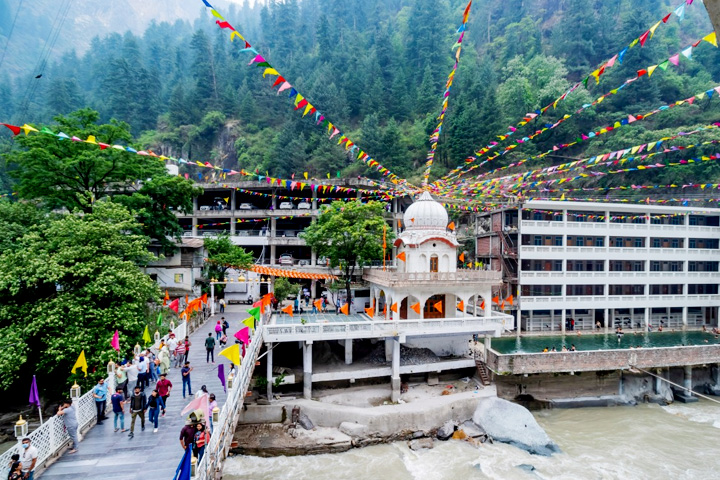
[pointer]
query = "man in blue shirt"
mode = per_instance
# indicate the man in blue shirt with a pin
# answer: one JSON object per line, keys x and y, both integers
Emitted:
{"x": 100, "y": 395}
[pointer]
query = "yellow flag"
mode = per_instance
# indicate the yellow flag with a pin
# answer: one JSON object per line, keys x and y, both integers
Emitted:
{"x": 227, "y": 199}
{"x": 305, "y": 175}
{"x": 146, "y": 336}
{"x": 232, "y": 354}
{"x": 250, "y": 323}
{"x": 711, "y": 38}
{"x": 81, "y": 363}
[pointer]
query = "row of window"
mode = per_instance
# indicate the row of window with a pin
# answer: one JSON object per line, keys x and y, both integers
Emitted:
{"x": 625, "y": 290}
{"x": 619, "y": 242}
{"x": 620, "y": 217}
{"x": 540, "y": 265}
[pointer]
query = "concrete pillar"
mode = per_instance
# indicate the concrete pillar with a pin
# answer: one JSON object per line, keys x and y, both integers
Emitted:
{"x": 313, "y": 289}
{"x": 194, "y": 226}
{"x": 273, "y": 203}
{"x": 314, "y": 200}
{"x": 313, "y": 257}
{"x": 607, "y": 320}
{"x": 269, "y": 375}
{"x": 212, "y": 298}
{"x": 552, "y": 319}
{"x": 388, "y": 349}
{"x": 658, "y": 380}
{"x": 232, "y": 200}
{"x": 348, "y": 351}
{"x": 307, "y": 370}
{"x": 233, "y": 225}
{"x": 684, "y": 317}
{"x": 715, "y": 373}
{"x": 273, "y": 227}
{"x": 376, "y": 300}
{"x": 195, "y": 204}
{"x": 395, "y": 380}
{"x": 487, "y": 296}
{"x": 647, "y": 317}
{"x": 273, "y": 254}
{"x": 687, "y": 380}
{"x": 563, "y": 318}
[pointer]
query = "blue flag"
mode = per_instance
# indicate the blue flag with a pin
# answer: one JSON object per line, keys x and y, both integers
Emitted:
{"x": 184, "y": 469}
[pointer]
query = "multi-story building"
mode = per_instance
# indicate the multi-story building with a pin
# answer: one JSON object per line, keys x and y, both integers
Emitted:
{"x": 582, "y": 266}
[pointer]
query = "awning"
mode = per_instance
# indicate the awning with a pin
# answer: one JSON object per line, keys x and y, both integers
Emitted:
{"x": 280, "y": 272}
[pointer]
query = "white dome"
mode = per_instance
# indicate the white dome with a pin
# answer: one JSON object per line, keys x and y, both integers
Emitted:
{"x": 425, "y": 214}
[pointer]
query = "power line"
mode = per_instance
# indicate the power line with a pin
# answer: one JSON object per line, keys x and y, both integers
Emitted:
{"x": 12, "y": 29}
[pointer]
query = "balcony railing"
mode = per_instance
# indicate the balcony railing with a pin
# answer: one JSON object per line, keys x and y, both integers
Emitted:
{"x": 391, "y": 277}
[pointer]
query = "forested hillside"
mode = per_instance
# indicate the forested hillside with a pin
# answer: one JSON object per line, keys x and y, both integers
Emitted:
{"x": 378, "y": 68}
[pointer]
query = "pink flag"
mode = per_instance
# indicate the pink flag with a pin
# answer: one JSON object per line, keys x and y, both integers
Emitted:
{"x": 243, "y": 335}
{"x": 199, "y": 403}
{"x": 115, "y": 342}
{"x": 675, "y": 59}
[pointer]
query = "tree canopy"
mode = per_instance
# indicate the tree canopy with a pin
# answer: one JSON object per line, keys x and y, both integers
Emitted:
{"x": 67, "y": 284}
{"x": 350, "y": 235}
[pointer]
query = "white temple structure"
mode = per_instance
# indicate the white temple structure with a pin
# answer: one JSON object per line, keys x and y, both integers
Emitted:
{"x": 427, "y": 283}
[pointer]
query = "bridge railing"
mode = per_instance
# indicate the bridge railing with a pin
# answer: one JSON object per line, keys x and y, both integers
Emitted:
{"x": 51, "y": 437}
{"x": 223, "y": 431}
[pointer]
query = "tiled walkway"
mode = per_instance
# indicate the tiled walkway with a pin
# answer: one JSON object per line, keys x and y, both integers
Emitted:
{"x": 104, "y": 454}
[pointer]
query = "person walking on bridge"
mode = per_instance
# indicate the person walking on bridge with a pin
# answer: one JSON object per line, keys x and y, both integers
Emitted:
{"x": 185, "y": 372}
{"x": 100, "y": 395}
{"x": 163, "y": 387}
{"x": 180, "y": 354}
{"x": 155, "y": 404}
{"x": 210, "y": 348}
{"x": 138, "y": 405}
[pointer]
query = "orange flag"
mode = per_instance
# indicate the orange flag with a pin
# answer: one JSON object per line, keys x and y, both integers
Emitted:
{"x": 318, "y": 304}
{"x": 401, "y": 256}
{"x": 167, "y": 295}
{"x": 462, "y": 257}
{"x": 439, "y": 306}
{"x": 393, "y": 307}
{"x": 461, "y": 306}
{"x": 502, "y": 305}
{"x": 416, "y": 307}
{"x": 496, "y": 299}
{"x": 370, "y": 311}
{"x": 288, "y": 310}
{"x": 451, "y": 226}
{"x": 509, "y": 300}
{"x": 482, "y": 305}
{"x": 384, "y": 310}
{"x": 345, "y": 309}
{"x": 203, "y": 299}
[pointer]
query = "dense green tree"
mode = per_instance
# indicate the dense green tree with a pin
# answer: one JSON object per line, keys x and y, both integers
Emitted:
{"x": 73, "y": 280}
{"x": 223, "y": 254}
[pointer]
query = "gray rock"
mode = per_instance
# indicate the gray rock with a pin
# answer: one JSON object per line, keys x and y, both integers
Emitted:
{"x": 446, "y": 431}
{"x": 510, "y": 423}
{"x": 418, "y": 434}
{"x": 305, "y": 421}
{"x": 353, "y": 429}
{"x": 526, "y": 467}
{"x": 471, "y": 430}
{"x": 421, "y": 444}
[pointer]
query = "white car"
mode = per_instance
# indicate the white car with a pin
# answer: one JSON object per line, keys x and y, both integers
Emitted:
{"x": 286, "y": 259}
{"x": 286, "y": 206}
{"x": 304, "y": 205}
{"x": 205, "y": 208}
{"x": 246, "y": 206}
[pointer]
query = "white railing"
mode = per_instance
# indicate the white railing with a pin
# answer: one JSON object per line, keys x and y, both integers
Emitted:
{"x": 390, "y": 276}
{"x": 347, "y": 330}
{"x": 222, "y": 435}
{"x": 51, "y": 437}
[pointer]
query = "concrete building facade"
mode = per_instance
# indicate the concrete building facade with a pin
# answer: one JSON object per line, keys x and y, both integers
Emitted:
{"x": 584, "y": 266}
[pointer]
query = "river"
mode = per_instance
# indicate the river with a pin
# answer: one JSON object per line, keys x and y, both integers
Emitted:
{"x": 645, "y": 442}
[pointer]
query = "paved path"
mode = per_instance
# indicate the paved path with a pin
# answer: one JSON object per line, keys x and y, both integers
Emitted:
{"x": 104, "y": 454}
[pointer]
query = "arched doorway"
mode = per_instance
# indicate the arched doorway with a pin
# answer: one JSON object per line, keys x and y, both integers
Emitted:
{"x": 431, "y": 311}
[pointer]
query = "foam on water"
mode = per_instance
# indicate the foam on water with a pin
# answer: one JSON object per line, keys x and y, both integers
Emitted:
{"x": 597, "y": 443}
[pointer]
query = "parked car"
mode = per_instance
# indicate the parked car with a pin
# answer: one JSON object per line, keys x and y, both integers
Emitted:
{"x": 304, "y": 263}
{"x": 205, "y": 208}
{"x": 246, "y": 206}
{"x": 304, "y": 205}
{"x": 286, "y": 259}
{"x": 286, "y": 206}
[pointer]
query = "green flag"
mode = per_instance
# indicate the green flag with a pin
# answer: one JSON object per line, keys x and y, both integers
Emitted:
{"x": 255, "y": 312}
{"x": 146, "y": 336}
{"x": 159, "y": 319}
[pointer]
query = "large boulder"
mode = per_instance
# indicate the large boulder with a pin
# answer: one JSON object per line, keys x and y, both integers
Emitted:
{"x": 355, "y": 430}
{"x": 514, "y": 424}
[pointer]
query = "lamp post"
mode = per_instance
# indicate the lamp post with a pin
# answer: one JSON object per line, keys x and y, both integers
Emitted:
{"x": 137, "y": 349}
{"x": 21, "y": 429}
{"x": 111, "y": 367}
{"x": 75, "y": 392}
{"x": 157, "y": 336}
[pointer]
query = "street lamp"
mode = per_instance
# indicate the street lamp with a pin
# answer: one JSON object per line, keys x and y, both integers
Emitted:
{"x": 111, "y": 368}
{"x": 136, "y": 349}
{"x": 216, "y": 415}
{"x": 157, "y": 336}
{"x": 75, "y": 392}
{"x": 230, "y": 381}
{"x": 172, "y": 324}
{"x": 21, "y": 428}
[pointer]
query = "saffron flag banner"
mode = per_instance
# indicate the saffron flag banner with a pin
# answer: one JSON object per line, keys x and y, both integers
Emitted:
{"x": 288, "y": 310}
{"x": 369, "y": 311}
{"x": 438, "y": 306}
{"x": 394, "y": 308}
{"x": 232, "y": 353}
{"x": 80, "y": 363}
{"x": 416, "y": 307}
{"x": 461, "y": 306}
{"x": 401, "y": 256}
{"x": 345, "y": 309}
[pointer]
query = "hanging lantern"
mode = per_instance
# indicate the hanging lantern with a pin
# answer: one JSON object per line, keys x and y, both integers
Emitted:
{"x": 230, "y": 381}
{"x": 21, "y": 428}
{"x": 172, "y": 324}
{"x": 216, "y": 415}
{"x": 111, "y": 368}
{"x": 137, "y": 349}
{"x": 75, "y": 392}
{"x": 157, "y": 336}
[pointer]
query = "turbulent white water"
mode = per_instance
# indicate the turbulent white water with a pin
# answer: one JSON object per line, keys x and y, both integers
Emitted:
{"x": 645, "y": 442}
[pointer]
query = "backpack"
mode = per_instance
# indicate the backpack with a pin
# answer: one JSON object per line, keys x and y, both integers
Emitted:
{"x": 218, "y": 327}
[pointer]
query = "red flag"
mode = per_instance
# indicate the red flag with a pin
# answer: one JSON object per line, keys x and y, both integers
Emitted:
{"x": 13, "y": 128}
{"x": 175, "y": 305}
